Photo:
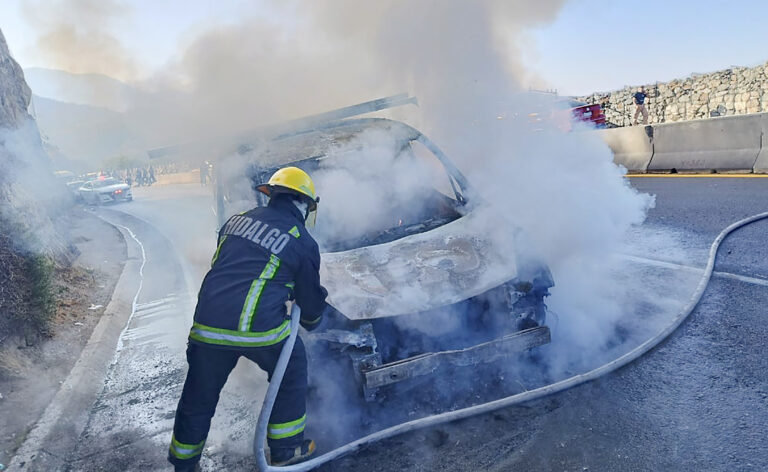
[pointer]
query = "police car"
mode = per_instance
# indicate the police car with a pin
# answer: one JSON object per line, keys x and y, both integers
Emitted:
{"x": 105, "y": 190}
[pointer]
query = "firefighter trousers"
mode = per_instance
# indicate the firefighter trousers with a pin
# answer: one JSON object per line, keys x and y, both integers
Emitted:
{"x": 209, "y": 368}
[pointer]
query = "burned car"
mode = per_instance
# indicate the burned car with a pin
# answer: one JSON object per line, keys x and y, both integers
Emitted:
{"x": 420, "y": 274}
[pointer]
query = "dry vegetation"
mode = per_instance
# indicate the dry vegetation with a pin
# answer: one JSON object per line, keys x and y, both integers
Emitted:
{"x": 32, "y": 286}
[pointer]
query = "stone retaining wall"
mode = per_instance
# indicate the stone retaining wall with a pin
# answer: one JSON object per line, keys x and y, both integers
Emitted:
{"x": 735, "y": 91}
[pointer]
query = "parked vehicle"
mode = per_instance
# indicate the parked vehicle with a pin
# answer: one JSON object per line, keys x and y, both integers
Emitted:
{"x": 563, "y": 112}
{"x": 74, "y": 187}
{"x": 586, "y": 113}
{"x": 104, "y": 191}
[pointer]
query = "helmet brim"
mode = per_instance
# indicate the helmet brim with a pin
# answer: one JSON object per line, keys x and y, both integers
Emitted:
{"x": 264, "y": 188}
{"x": 270, "y": 190}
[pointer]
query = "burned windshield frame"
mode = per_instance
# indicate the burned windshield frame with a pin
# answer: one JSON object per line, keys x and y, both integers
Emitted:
{"x": 458, "y": 181}
{"x": 257, "y": 172}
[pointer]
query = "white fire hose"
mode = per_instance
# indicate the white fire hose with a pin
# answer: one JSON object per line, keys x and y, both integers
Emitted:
{"x": 277, "y": 377}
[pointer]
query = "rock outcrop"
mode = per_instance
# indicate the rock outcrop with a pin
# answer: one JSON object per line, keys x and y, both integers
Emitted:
{"x": 735, "y": 91}
{"x": 30, "y": 197}
{"x": 27, "y": 184}
{"x": 14, "y": 91}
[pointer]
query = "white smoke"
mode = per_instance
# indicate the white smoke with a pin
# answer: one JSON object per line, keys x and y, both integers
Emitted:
{"x": 368, "y": 175}
{"x": 29, "y": 195}
{"x": 565, "y": 192}
{"x": 561, "y": 188}
{"x": 461, "y": 59}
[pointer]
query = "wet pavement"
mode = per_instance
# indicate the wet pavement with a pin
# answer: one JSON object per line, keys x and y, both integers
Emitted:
{"x": 135, "y": 407}
{"x": 130, "y": 424}
{"x": 696, "y": 402}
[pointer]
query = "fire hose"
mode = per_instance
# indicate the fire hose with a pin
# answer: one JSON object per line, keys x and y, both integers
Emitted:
{"x": 565, "y": 384}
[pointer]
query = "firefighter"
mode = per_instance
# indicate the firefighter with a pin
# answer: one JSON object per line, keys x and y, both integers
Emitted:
{"x": 265, "y": 257}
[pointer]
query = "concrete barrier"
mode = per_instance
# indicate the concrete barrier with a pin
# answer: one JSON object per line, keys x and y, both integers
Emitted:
{"x": 726, "y": 144}
{"x": 192, "y": 177}
{"x": 631, "y": 146}
{"x": 761, "y": 164}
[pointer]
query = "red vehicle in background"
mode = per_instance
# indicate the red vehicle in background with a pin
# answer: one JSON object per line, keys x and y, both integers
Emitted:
{"x": 588, "y": 113}
{"x": 564, "y": 111}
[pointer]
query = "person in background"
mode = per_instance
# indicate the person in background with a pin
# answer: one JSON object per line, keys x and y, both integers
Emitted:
{"x": 639, "y": 99}
{"x": 204, "y": 173}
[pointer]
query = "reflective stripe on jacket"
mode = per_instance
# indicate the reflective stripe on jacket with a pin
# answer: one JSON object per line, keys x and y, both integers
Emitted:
{"x": 264, "y": 257}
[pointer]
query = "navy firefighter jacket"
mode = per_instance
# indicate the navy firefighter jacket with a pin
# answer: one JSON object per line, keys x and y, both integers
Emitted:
{"x": 264, "y": 257}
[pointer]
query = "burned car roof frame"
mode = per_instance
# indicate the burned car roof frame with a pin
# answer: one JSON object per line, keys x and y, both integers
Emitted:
{"x": 466, "y": 266}
{"x": 458, "y": 181}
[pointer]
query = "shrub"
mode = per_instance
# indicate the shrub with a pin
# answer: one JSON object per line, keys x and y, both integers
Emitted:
{"x": 27, "y": 303}
{"x": 42, "y": 304}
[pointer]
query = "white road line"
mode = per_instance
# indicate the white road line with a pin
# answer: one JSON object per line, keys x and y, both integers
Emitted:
{"x": 185, "y": 270}
{"x": 145, "y": 315}
{"x": 677, "y": 266}
{"x": 134, "y": 304}
{"x": 158, "y": 302}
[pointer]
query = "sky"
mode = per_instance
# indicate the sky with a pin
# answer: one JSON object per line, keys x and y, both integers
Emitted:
{"x": 601, "y": 45}
{"x": 592, "y": 45}
{"x": 150, "y": 29}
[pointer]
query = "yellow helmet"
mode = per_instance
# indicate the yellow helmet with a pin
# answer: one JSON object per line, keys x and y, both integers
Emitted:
{"x": 293, "y": 180}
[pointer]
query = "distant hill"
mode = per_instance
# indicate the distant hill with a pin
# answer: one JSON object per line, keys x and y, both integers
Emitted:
{"x": 92, "y": 117}
{"x": 82, "y": 89}
{"x": 85, "y": 133}
{"x": 84, "y": 115}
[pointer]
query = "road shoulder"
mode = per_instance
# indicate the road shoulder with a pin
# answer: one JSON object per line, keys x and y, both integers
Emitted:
{"x": 57, "y": 431}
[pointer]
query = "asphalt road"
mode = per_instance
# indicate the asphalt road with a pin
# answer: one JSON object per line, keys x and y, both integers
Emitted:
{"x": 129, "y": 427}
{"x": 697, "y": 402}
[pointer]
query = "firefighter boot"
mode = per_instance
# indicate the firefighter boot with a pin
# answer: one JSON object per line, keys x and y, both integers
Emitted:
{"x": 187, "y": 468}
{"x": 281, "y": 457}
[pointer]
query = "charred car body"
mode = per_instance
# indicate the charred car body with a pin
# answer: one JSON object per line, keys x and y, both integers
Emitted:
{"x": 430, "y": 281}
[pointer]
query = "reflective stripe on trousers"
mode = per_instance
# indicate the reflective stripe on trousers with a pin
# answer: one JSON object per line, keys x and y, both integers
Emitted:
{"x": 286, "y": 430}
{"x": 185, "y": 451}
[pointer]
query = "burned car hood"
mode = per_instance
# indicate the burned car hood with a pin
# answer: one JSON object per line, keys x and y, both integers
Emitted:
{"x": 446, "y": 265}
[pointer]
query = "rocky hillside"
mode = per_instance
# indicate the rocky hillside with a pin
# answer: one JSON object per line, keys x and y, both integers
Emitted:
{"x": 28, "y": 189}
{"x": 30, "y": 245}
{"x": 14, "y": 92}
{"x": 734, "y": 91}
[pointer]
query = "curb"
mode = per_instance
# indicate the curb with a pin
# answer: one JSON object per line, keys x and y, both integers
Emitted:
{"x": 55, "y": 434}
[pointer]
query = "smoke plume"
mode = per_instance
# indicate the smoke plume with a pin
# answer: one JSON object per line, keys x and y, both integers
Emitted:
{"x": 75, "y": 35}
{"x": 462, "y": 60}
{"x": 322, "y": 55}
